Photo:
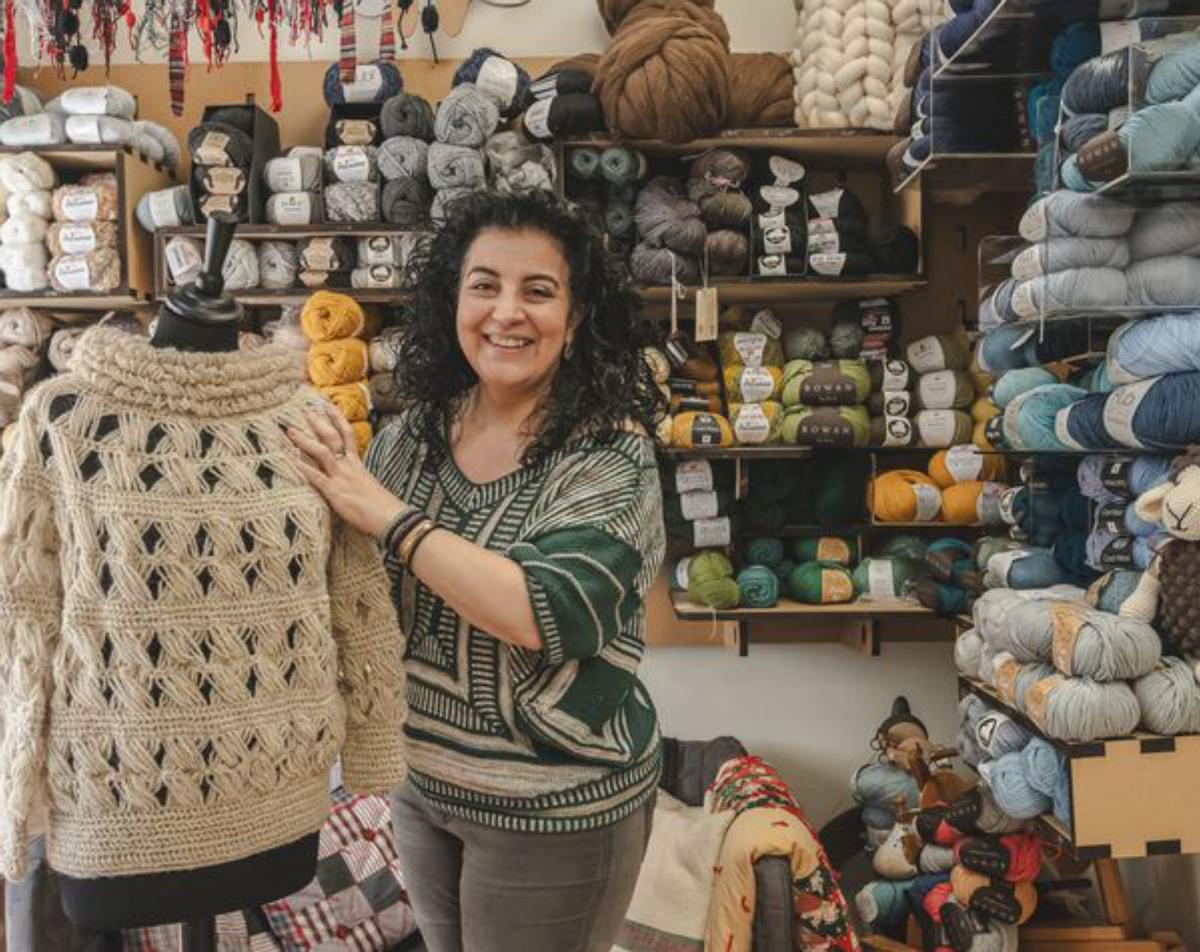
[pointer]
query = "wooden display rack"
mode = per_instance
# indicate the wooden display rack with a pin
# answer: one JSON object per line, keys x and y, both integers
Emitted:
{"x": 135, "y": 176}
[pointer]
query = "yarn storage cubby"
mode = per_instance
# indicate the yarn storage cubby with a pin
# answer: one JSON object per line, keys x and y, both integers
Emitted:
{"x": 134, "y": 177}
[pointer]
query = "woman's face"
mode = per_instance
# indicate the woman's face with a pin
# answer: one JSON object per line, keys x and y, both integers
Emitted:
{"x": 514, "y": 309}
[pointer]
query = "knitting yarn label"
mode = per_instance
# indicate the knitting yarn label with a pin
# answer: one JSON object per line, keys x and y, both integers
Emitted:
{"x": 537, "y": 119}
{"x": 1121, "y": 408}
{"x": 750, "y": 346}
{"x": 821, "y": 226}
{"x": 833, "y": 549}
{"x": 380, "y": 276}
{"x": 73, "y": 274}
{"x": 351, "y": 164}
{"x": 84, "y": 130}
{"x": 695, "y": 475}
{"x": 498, "y": 78}
{"x": 212, "y": 149}
{"x": 778, "y": 241}
{"x": 706, "y": 431}
{"x": 183, "y": 260}
{"x": 699, "y": 505}
{"x": 964, "y": 463}
{"x": 831, "y": 265}
{"x": 1114, "y": 476}
{"x": 895, "y": 375}
{"x": 1118, "y": 553}
{"x": 929, "y": 502}
{"x": 897, "y": 431}
{"x": 937, "y": 427}
{"x": 368, "y": 81}
{"x": 773, "y": 266}
{"x": 765, "y": 322}
{"x": 712, "y": 532}
{"x": 897, "y": 403}
{"x": 926, "y": 355}
{"x": 827, "y": 203}
{"x": 836, "y": 587}
{"x": 825, "y": 243}
{"x": 77, "y": 239}
{"x": 881, "y": 579}
{"x": 285, "y": 175}
{"x": 771, "y": 220}
{"x": 756, "y": 384}
{"x": 1111, "y": 516}
{"x": 938, "y": 389}
{"x": 162, "y": 208}
{"x": 682, "y": 568}
{"x": 752, "y": 425}
{"x": 80, "y": 205}
{"x": 292, "y": 208}
{"x": 786, "y": 171}
{"x": 779, "y": 198}
{"x": 378, "y": 249}
{"x": 356, "y": 131}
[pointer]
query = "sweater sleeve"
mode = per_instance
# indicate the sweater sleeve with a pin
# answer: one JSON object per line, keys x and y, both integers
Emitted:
{"x": 592, "y": 550}
{"x": 370, "y": 650}
{"x": 30, "y": 619}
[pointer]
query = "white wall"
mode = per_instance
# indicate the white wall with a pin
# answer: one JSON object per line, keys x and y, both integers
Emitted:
{"x": 540, "y": 28}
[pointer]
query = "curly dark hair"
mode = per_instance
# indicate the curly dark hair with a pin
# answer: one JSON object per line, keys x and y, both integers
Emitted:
{"x": 601, "y": 387}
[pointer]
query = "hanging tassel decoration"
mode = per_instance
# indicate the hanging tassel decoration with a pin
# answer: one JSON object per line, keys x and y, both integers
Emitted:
{"x": 106, "y": 17}
{"x": 429, "y": 23}
{"x": 387, "y": 41}
{"x": 10, "y": 52}
{"x": 349, "y": 58}
{"x": 405, "y": 6}
{"x": 276, "y": 82}
{"x": 175, "y": 63}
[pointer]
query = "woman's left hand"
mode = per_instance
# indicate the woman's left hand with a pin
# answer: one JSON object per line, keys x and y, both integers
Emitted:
{"x": 332, "y": 467}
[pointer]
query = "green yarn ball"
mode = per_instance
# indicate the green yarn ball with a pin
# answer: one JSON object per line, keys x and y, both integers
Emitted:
{"x": 840, "y": 495}
{"x": 763, "y": 551}
{"x": 836, "y": 549}
{"x": 885, "y": 578}
{"x": 764, "y": 515}
{"x": 783, "y": 570}
{"x": 711, "y": 581}
{"x": 805, "y": 343}
{"x": 905, "y": 547}
{"x": 821, "y": 583}
{"x": 758, "y": 587}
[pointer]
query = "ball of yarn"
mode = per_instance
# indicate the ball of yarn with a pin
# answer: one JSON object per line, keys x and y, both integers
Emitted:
{"x": 968, "y": 652}
{"x": 821, "y": 583}
{"x": 466, "y": 117}
{"x": 826, "y": 426}
{"x": 944, "y": 390}
{"x": 384, "y": 83}
{"x": 836, "y": 549}
{"x": 277, "y": 264}
{"x": 883, "y": 785}
{"x": 761, "y": 96}
{"x": 665, "y": 218}
{"x": 656, "y": 266}
{"x": 241, "y": 266}
{"x": 1013, "y": 383}
{"x": 885, "y": 578}
{"x": 352, "y": 202}
{"x": 693, "y": 429}
{"x": 403, "y": 157}
{"x": 763, "y": 551}
{"x": 826, "y": 383}
{"x": 406, "y": 201}
{"x": 1081, "y": 425}
{"x": 1112, "y": 591}
{"x": 846, "y": 337}
{"x": 406, "y": 114}
{"x": 728, "y": 252}
{"x": 1170, "y": 698}
{"x": 711, "y": 581}
{"x": 938, "y": 428}
{"x": 905, "y": 547}
{"x": 1012, "y": 790}
{"x": 1081, "y": 710}
{"x": 758, "y": 587}
{"x": 965, "y": 463}
{"x": 967, "y": 503}
{"x": 498, "y": 77}
{"x": 664, "y": 78}
{"x": 904, "y": 495}
{"x": 937, "y": 352}
{"x": 1031, "y": 419}
{"x": 803, "y": 342}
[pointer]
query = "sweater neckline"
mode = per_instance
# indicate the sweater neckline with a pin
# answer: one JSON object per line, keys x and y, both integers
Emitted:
{"x": 131, "y": 371}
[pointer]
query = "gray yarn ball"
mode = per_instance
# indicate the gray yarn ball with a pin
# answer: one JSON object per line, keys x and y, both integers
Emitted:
{"x": 466, "y": 117}
{"x": 406, "y": 201}
{"x": 174, "y": 207}
{"x": 403, "y": 157}
{"x": 444, "y": 200}
{"x": 277, "y": 264}
{"x": 455, "y": 166}
{"x": 293, "y": 173}
{"x": 241, "y": 266}
{"x": 407, "y": 115}
{"x": 352, "y": 202}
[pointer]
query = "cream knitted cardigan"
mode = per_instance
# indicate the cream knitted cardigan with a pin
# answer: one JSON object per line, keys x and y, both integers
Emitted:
{"x": 188, "y": 638}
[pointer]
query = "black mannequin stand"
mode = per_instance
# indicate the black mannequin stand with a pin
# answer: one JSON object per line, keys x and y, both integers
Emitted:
{"x": 199, "y": 317}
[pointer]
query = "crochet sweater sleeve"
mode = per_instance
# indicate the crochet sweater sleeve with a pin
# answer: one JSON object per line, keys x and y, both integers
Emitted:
{"x": 30, "y": 614}
{"x": 371, "y": 676}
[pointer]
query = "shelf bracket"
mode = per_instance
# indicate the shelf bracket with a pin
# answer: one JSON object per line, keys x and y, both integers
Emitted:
{"x": 863, "y": 637}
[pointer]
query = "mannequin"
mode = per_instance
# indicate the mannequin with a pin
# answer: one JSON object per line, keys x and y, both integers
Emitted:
{"x": 198, "y": 317}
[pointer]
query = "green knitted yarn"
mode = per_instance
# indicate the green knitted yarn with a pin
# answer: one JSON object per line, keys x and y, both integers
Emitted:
{"x": 783, "y": 570}
{"x": 758, "y": 586}
{"x": 763, "y": 514}
{"x": 821, "y": 583}
{"x": 711, "y": 581}
{"x": 885, "y": 578}
{"x": 905, "y": 547}
{"x": 763, "y": 551}
{"x": 836, "y": 549}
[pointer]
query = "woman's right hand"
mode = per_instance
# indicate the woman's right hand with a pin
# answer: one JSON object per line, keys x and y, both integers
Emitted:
{"x": 332, "y": 467}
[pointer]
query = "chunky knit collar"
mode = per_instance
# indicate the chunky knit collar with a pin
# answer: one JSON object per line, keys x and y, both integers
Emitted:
{"x": 132, "y": 372}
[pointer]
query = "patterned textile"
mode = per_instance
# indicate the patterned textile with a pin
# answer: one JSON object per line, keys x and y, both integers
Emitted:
{"x": 822, "y": 916}
{"x": 236, "y": 932}
{"x": 357, "y": 901}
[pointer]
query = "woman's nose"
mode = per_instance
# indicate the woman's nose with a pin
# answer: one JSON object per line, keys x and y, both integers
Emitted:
{"x": 507, "y": 307}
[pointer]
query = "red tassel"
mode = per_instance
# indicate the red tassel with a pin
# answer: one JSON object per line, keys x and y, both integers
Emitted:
{"x": 10, "y": 52}
{"x": 276, "y": 84}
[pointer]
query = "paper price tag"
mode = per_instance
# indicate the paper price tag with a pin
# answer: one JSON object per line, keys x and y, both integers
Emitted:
{"x": 694, "y": 475}
{"x": 77, "y": 239}
{"x": 707, "y": 314}
{"x": 351, "y": 165}
{"x": 80, "y": 206}
{"x": 72, "y": 274}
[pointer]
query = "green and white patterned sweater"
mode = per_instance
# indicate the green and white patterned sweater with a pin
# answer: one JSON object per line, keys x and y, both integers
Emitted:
{"x": 552, "y": 741}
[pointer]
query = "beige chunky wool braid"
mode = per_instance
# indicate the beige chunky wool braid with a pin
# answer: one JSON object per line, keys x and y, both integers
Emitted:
{"x": 188, "y": 637}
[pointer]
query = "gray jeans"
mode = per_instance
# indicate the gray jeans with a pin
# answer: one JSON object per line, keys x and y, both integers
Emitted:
{"x": 476, "y": 889}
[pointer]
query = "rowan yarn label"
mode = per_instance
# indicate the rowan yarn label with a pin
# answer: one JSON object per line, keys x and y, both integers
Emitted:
{"x": 499, "y": 79}
{"x": 537, "y": 119}
{"x": 351, "y": 164}
{"x": 1118, "y": 553}
{"x": 750, "y": 346}
{"x": 211, "y": 150}
{"x": 897, "y": 431}
{"x": 1066, "y": 620}
{"x": 752, "y": 425}
{"x": 1121, "y": 407}
{"x": 836, "y": 586}
{"x": 285, "y": 175}
{"x": 773, "y": 266}
{"x": 708, "y": 533}
{"x": 163, "y": 209}
{"x": 777, "y": 240}
{"x": 73, "y": 274}
{"x": 929, "y": 502}
{"x": 830, "y": 265}
{"x": 77, "y": 239}
{"x": 765, "y": 322}
{"x": 964, "y": 463}
{"x": 80, "y": 206}
{"x": 895, "y": 375}
{"x": 827, "y": 203}
{"x": 699, "y": 505}
{"x": 365, "y": 87}
{"x": 756, "y": 384}
{"x": 881, "y": 580}
{"x": 694, "y": 475}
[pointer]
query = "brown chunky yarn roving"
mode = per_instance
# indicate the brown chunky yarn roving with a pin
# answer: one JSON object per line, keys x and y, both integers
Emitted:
{"x": 664, "y": 78}
{"x": 698, "y": 12}
{"x": 763, "y": 95}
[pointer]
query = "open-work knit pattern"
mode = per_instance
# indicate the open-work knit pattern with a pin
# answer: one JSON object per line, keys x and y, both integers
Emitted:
{"x": 188, "y": 638}
{"x": 849, "y": 59}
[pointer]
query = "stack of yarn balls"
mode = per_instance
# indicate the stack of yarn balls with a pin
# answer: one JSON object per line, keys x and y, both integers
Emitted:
{"x": 221, "y": 149}
{"x": 339, "y": 358}
{"x": 564, "y": 106}
{"x": 715, "y": 184}
{"x": 1119, "y": 538}
{"x": 26, "y": 180}
{"x": 943, "y": 391}
{"x": 700, "y": 505}
{"x": 606, "y": 182}
{"x": 465, "y": 120}
{"x": 671, "y": 234}
{"x": 83, "y": 237}
{"x": 752, "y": 373}
{"x": 407, "y": 127}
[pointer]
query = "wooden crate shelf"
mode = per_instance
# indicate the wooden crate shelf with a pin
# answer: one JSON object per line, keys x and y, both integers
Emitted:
{"x": 1130, "y": 796}
{"x": 688, "y": 610}
{"x": 785, "y": 291}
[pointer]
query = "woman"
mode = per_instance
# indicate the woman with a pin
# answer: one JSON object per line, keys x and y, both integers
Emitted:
{"x": 519, "y": 506}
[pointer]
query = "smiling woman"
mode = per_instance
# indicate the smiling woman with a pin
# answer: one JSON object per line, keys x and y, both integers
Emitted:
{"x": 519, "y": 510}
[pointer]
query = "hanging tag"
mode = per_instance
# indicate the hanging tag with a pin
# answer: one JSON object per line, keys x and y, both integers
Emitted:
{"x": 676, "y": 295}
{"x": 707, "y": 309}
{"x": 786, "y": 171}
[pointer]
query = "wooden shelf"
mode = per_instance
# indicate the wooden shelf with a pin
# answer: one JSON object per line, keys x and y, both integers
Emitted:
{"x": 784, "y": 291}
{"x": 818, "y": 146}
{"x": 749, "y": 453}
{"x": 687, "y": 610}
{"x": 86, "y": 157}
{"x": 314, "y": 230}
{"x": 959, "y": 175}
{"x": 863, "y": 528}
{"x": 73, "y": 301}
{"x": 268, "y": 297}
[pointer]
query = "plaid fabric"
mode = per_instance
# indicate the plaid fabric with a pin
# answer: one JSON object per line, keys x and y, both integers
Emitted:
{"x": 357, "y": 901}
{"x": 387, "y": 41}
{"x": 348, "y": 60}
{"x": 236, "y": 932}
{"x": 176, "y": 62}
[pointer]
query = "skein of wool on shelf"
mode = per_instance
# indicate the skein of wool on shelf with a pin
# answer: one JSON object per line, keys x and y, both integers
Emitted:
{"x": 827, "y": 383}
{"x": 826, "y": 426}
{"x": 406, "y": 114}
{"x": 385, "y": 393}
{"x": 654, "y": 265}
{"x": 403, "y": 157}
{"x": 444, "y": 201}
{"x": 1145, "y": 348}
{"x": 665, "y": 218}
{"x": 351, "y": 163}
{"x": 1169, "y": 697}
{"x": 498, "y": 77}
{"x": 711, "y": 581}
{"x": 453, "y": 166}
{"x": 240, "y": 270}
{"x": 166, "y": 208}
{"x": 334, "y": 362}
{"x": 727, "y": 252}
{"x": 761, "y": 97}
{"x": 352, "y": 202}
{"x": 1079, "y": 709}
{"x": 758, "y": 587}
{"x": 944, "y": 390}
{"x": 664, "y": 78}
{"x": 961, "y": 464}
{"x": 353, "y": 400}
{"x": 329, "y": 316}
{"x": 904, "y": 495}
{"x": 293, "y": 208}
{"x": 466, "y": 117}
{"x": 804, "y": 342}
{"x": 80, "y": 203}
{"x": 277, "y": 264}
{"x": 943, "y": 428}
{"x": 700, "y": 12}
{"x": 1065, "y": 254}
{"x": 1030, "y": 420}
{"x": 937, "y": 352}
{"x": 97, "y": 271}
{"x": 407, "y": 201}
{"x": 563, "y": 116}
{"x": 219, "y": 143}
{"x": 1074, "y": 214}
{"x": 377, "y": 82}
{"x": 821, "y": 583}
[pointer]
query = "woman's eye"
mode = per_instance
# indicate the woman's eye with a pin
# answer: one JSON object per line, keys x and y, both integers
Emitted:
{"x": 541, "y": 292}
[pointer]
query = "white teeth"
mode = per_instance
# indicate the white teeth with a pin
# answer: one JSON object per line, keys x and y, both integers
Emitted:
{"x": 510, "y": 342}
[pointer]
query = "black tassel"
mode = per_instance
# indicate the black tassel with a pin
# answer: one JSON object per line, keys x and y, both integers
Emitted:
{"x": 78, "y": 58}
{"x": 429, "y": 23}
{"x": 405, "y": 6}
{"x": 70, "y": 23}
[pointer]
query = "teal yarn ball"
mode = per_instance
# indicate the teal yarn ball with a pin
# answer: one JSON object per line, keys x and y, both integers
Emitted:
{"x": 905, "y": 547}
{"x": 783, "y": 570}
{"x": 759, "y": 587}
{"x": 764, "y": 551}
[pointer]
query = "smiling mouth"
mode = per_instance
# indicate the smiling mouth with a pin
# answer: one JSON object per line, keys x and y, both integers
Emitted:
{"x": 507, "y": 343}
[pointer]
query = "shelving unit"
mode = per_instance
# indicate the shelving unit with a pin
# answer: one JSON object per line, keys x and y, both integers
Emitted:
{"x": 786, "y": 291}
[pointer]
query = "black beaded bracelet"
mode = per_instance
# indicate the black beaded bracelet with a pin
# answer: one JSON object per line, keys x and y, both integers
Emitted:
{"x": 398, "y": 528}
